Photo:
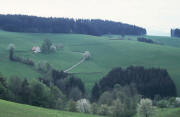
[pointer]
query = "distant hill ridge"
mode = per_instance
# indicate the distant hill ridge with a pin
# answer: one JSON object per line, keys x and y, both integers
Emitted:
{"x": 96, "y": 27}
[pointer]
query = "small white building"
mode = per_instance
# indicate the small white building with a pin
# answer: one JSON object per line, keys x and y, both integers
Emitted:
{"x": 36, "y": 49}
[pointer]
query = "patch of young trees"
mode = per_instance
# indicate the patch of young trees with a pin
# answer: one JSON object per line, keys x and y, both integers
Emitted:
{"x": 118, "y": 102}
{"x": 54, "y": 92}
{"x": 149, "y": 82}
{"x": 31, "y": 92}
{"x": 24, "y": 23}
{"x": 72, "y": 87}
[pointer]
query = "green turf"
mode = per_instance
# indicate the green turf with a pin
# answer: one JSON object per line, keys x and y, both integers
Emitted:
{"x": 10, "y": 109}
{"x": 165, "y": 112}
{"x": 105, "y": 54}
{"x": 170, "y": 112}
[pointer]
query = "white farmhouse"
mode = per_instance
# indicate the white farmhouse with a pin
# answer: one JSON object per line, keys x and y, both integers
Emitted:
{"x": 36, "y": 49}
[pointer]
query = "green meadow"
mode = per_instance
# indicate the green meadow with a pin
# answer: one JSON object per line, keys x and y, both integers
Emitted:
{"x": 10, "y": 109}
{"x": 105, "y": 54}
{"x": 166, "y": 112}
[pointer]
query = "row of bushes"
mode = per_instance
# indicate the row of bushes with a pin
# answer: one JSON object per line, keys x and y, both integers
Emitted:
{"x": 23, "y": 60}
{"x": 12, "y": 57}
{"x": 142, "y": 39}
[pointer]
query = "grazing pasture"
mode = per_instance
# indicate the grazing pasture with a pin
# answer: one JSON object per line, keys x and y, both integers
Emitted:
{"x": 10, "y": 109}
{"x": 105, "y": 54}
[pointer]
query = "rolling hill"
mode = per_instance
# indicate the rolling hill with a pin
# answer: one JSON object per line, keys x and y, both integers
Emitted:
{"x": 105, "y": 54}
{"x": 10, "y": 109}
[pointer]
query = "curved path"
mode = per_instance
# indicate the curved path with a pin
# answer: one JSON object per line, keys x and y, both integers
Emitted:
{"x": 82, "y": 60}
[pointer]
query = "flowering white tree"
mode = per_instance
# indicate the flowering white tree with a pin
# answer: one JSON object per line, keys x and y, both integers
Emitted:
{"x": 86, "y": 55}
{"x": 59, "y": 46}
{"x": 84, "y": 106}
{"x": 177, "y": 102}
{"x": 53, "y": 48}
{"x": 145, "y": 108}
{"x": 11, "y": 46}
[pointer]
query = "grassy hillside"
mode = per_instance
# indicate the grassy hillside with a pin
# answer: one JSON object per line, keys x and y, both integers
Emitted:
{"x": 10, "y": 109}
{"x": 170, "y": 112}
{"x": 166, "y": 112}
{"x": 106, "y": 54}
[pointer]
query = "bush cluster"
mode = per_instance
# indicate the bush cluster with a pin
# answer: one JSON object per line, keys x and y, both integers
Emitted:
{"x": 23, "y": 60}
{"x": 48, "y": 47}
{"x": 142, "y": 39}
{"x": 43, "y": 67}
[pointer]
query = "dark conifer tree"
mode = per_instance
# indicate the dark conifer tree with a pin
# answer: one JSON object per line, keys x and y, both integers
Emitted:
{"x": 95, "y": 92}
{"x": 25, "y": 92}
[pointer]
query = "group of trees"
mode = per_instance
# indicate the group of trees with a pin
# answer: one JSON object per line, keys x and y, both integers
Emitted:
{"x": 47, "y": 46}
{"x": 24, "y": 23}
{"x": 118, "y": 94}
{"x": 32, "y": 93}
{"x": 72, "y": 87}
{"x": 149, "y": 82}
{"x": 57, "y": 91}
{"x": 118, "y": 102}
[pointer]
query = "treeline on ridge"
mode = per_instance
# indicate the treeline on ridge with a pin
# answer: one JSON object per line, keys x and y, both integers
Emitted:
{"x": 149, "y": 82}
{"x": 25, "y": 23}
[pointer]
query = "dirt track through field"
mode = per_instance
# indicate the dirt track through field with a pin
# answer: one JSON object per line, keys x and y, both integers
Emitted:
{"x": 82, "y": 60}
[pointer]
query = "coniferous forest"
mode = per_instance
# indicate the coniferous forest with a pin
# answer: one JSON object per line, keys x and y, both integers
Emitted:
{"x": 33, "y": 24}
{"x": 149, "y": 82}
